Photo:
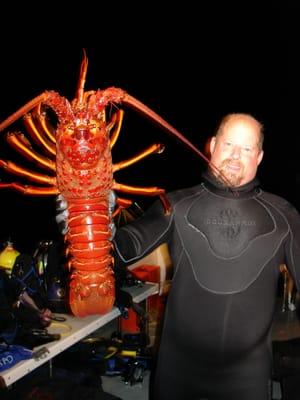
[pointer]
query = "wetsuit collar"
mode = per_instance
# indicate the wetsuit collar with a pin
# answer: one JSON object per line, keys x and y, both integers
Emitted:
{"x": 248, "y": 190}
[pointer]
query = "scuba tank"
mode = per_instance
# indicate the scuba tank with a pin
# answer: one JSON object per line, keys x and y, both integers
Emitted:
{"x": 50, "y": 263}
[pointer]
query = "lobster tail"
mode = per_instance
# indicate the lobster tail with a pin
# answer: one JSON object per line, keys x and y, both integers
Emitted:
{"x": 92, "y": 289}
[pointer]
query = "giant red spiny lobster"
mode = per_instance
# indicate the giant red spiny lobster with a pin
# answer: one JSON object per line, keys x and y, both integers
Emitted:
{"x": 79, "y": 164}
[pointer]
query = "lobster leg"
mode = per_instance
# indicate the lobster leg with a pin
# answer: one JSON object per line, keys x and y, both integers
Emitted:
{"x": 121, "y": 205}
{"x": 33, "y": 176}
{"x": 146, "y": 191}
{"x": 30, "y": 190}
{"x": 37, "y": 136}
{"x": 23, "y": 110}
{"x": 41, "y": 118}
{"x": 16, "y": 141}
{"x": 155, "y": 148}
{"x": 117, "y": 119}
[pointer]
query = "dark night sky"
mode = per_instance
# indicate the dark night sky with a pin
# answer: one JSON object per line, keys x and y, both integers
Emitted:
{"x": 191, "y": 76}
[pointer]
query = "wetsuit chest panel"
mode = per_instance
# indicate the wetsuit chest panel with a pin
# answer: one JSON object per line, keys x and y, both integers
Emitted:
{"x": 230, "y": 225}
{"x": 227, "y": 252}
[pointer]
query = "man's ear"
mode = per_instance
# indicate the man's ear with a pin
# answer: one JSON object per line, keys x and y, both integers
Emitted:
{"x": 212, "y": 144}
{"x": 260, "y": 157}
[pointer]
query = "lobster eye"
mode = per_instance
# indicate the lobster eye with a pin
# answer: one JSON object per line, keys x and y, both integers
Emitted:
{"x": 81, "y": 134}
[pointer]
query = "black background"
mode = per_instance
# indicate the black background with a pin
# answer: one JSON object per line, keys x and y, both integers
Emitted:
{"x": 191, "y": 67}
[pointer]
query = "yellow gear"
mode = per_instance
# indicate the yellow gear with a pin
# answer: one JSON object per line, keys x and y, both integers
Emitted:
{"x": 8, "y": 257}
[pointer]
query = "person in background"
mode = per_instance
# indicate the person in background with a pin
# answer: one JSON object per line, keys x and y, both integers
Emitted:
{"x": 227, "y": 238}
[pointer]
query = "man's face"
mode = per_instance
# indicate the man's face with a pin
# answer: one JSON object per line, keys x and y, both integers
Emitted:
{"x": 235, "y": 151}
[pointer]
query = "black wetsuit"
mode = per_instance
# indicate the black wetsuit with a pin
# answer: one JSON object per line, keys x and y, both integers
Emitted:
{"x": 226, "y": 247}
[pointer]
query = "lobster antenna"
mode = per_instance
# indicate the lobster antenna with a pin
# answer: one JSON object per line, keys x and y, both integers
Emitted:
{"x": 82, "y": 77}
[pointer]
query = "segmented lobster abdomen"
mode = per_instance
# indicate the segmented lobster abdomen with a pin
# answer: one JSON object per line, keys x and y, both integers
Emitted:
{"x": 92, "y": 289}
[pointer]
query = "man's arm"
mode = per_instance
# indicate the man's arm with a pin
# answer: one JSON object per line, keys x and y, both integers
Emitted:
{"x": 292, "y": 245}
{"x": 134, "y": 240}
{"x": 139, "y": 238}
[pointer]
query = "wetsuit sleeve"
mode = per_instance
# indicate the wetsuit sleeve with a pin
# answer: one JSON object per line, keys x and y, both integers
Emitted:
{"x": 139, "y": 238}
{"x": 292, "y": 245}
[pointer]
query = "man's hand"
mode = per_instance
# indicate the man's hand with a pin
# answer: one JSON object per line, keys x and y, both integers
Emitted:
{"x": 112, "y": 199}
{"x": 45, "y": 317}
{"x": 62, "y": 214}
